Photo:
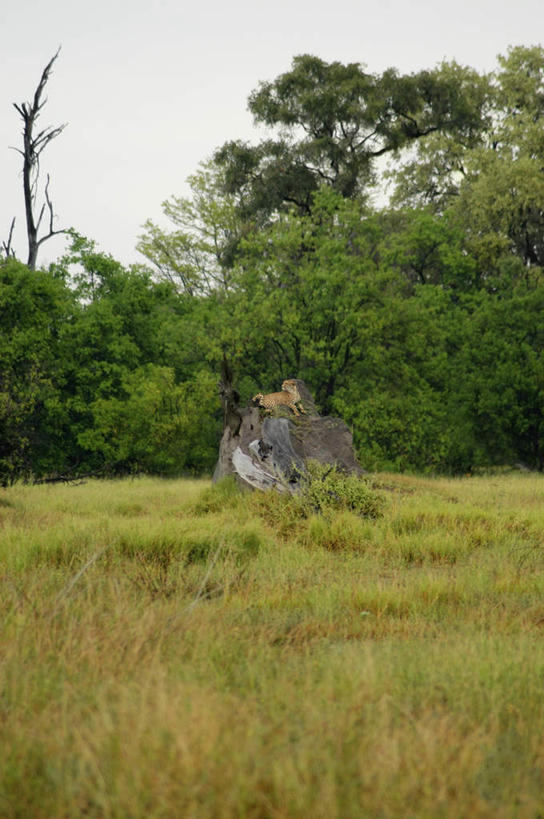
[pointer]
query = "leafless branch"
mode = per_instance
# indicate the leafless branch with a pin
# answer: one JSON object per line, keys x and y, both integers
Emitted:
{"x": 33, "y": 146}
{"x": 6, "y": 246}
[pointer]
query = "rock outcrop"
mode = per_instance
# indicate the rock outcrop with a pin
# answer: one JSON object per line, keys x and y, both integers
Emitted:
{"x": 267, "y": 452}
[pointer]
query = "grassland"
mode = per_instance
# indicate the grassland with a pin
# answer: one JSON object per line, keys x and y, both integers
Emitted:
{"x": 167, "y": 650}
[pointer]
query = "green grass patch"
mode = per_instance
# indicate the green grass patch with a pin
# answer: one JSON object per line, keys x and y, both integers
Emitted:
{"x": 171, "y": 648}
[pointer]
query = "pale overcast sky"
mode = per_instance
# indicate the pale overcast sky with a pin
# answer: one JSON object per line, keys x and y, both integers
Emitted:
{"x": 149, "y": 88}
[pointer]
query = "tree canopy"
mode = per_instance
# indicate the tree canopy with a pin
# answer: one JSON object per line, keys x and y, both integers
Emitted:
{"x": 335, "y": 120}
{"x": 419, "y": 321}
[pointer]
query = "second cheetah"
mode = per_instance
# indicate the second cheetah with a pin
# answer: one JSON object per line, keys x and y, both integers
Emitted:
{"x": 289, "y": 396}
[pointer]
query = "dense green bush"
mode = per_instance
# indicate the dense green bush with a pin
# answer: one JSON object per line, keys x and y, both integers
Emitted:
{"x": 325, "y": 487}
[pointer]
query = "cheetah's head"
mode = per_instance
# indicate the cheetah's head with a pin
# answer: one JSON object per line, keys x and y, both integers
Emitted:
{"x": 290, "y": 385}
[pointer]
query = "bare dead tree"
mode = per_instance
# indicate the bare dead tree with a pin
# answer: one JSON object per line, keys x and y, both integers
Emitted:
{"x": 7, "y": 249}
{"x": 34, "y": 143}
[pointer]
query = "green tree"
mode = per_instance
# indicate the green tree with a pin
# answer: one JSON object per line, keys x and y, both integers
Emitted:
{"x": 122, "y": 352}
{"x": 155, "y": 425}
{"x": 493, "y": 184}
{"x": 196, "y": 256}
{"x": 281, "y": 264}
{"x": 429, "y": 248}
{"x": 502, "y": 388}
{"x": 126, "y": 353}
{"x": 335, "y": 121}
{"x": 303, "y": 295}
{"x": 33, "y": 309}
{"x": 398, "y": 399}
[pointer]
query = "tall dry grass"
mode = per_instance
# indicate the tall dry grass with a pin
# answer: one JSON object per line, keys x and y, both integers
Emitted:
{"x": 171, "y": 650}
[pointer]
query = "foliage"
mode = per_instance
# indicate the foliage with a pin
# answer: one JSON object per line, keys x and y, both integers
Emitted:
{"x": 32, "y": 309}
{"x": 325, "y": 488}
{"x": 306, "y": 294}
{"x": 154, "y": 425}
{"x": 195, "y": 257}
{"x": 419, "y": 323}
{"x": 85, "y": 381}
{"x": 503, "y": 367}
{"x": 493, "y": 182}
{"x": 430, "y": 249}
{"x": 334, "y": 121}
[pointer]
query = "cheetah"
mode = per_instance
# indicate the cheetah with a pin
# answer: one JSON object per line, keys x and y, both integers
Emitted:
{"x": 289, "y": 396}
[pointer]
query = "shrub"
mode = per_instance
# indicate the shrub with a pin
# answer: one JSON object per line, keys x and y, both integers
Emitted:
{"x": 325, "y": 487}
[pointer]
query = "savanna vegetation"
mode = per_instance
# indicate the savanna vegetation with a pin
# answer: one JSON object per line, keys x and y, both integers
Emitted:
{"x": 368, "y": 647}
{"x": 417, "y": 318}
{"x": 175, "y": 649}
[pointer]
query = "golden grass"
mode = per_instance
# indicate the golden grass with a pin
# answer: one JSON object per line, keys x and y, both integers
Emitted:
{"x": 171, "y": 650}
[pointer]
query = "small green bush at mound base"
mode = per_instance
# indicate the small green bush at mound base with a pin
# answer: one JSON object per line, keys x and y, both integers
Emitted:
{"x": 325, "y": 488}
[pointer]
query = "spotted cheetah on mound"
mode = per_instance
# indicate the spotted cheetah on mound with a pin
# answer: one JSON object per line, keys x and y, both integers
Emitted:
{"x": 289, "y": 396}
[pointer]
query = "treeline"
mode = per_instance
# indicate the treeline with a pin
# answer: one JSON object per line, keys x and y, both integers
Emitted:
{"x": 420, "y": 322}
